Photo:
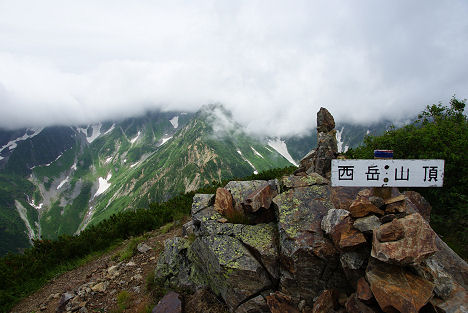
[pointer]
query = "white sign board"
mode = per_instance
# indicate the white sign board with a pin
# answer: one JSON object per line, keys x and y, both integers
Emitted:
{"x": 387, "y": 173}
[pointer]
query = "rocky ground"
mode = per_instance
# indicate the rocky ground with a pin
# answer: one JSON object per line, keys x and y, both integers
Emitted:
{"x": 95, "y": 286}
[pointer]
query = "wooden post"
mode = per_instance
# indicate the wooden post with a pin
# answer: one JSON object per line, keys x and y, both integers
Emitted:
{"x": 382, "y": 192}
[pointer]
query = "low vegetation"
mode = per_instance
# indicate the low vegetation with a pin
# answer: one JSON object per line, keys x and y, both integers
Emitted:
{"x": 440, "y": 132}
{"x": 22, "y": 274}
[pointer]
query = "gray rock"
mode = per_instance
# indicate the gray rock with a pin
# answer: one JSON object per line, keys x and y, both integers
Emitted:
{"x": 188, "y": 228}
{"x": 333, "y": 218}
{"x": 143, "y": 247}
{"x": 64, "y": 300}
{"x": 310, "y": 262}
{"x": 377, "y": 201}
{"x": 255, "y": 305}
{"x": 240, "y": 190}
{"x": 325, "y": 121}
{"x": 174, "y": 268}
{"x": 170, "y": 303}
{"x": 293, "y": 181}
{"x": 230, "y": 270}
{"x": 201, "y": 201}
{"x": 353, "y": 260}
{"x": 203, "y": 216}
{"x": 367, "y": 224}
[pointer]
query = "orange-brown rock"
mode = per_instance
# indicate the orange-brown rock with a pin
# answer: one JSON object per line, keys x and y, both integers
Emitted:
{"x": 342, "y": 197}
{"x": 260, "y": 198}
{"x": 362, "y": 207}
{"x": 396, "y": 289}
{"x": 345, "y": 236}
{"x": 363, "y": 291}
{"x": 325, "y": 302}
{"x": 223, "y": 203}
{"x": 390, "y": 232}
{"x": 395, "y": 199}
{"x": 412, "y": 242}
{"x": 457, "y": 303}
{"x": 280, "y": 303}
{"x": 396, "y": 207}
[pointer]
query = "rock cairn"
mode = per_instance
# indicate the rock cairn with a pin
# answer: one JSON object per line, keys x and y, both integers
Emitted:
{"x": 314, "y": 248}
{"x": 319, "y": 160}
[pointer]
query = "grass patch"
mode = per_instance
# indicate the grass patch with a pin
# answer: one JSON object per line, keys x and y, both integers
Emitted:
{"x": 166, "y": 228}
{"x": 131, "y": 248}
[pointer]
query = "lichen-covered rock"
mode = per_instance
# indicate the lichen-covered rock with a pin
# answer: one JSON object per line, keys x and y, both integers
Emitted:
{"x": 293, "y": 181}
{"x": 333, "y": 218}
{"x": 188, "y": 228}
{"x": 255, "y": 305}
{"x": 203, "y": 216}
{"x": 231, "y": 271}
{"x": 174, "y": 269}
{"x": 395, "y": 288}
{"x": 201, "y": 201}
{"x": 309, "y": 260}
{"x": 367, "y": 224}
{"x": 407, "y": 240}
{"x": 240, "y": 190}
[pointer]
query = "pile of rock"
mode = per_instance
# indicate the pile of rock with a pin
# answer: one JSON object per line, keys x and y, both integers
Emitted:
{"x": 299, "y": 245}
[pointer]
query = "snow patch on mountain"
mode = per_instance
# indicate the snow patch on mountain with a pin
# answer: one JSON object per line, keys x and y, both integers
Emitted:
{"x": 164, "y": 139}
{"x": 63, "y": 182}
{"x": 23, "y": 214}
{"x": 103, "y": 185}
{"x": 280, "y": 146}
{"x": 175, "y": 121}
{"x": 256, "y": 152}
{"x": 33, "y": 204}
{"x": 14, "y": 143}
{"x": 340, "y": 142}
{"x": 109, "y": 130}
{"x": 250, "y": 163}
{"x": 74, "y": 168}
{"x": 134, "y": 164}
{"x": 108, "y": 159}
{"x": 132, "y": 141}
{"x": 95, "y": 133}
{"x": 368, "y": 132}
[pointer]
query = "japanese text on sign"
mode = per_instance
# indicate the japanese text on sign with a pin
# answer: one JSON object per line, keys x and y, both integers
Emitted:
{"x": 391, "y": 173}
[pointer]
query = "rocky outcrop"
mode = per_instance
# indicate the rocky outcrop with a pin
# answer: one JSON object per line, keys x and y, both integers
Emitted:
{"x": 303, "y": 246}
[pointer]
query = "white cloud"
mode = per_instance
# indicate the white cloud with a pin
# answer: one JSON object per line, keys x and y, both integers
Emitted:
{"x": 272, "y": 63}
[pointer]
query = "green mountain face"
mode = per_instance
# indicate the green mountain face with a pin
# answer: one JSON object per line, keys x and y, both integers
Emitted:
{"x": 58, "y": 180}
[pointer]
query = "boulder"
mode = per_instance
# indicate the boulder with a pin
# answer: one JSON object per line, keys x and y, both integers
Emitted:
{"x": 293, "y": 181}
{"x": 230, "y": 270}
{"x": 309, "y": 260}
{"x": 367, "y": 224}
{"x": 456, "y": 303}
{"x": 333, "y": 218}
{"x": 170, "y": 303}
{"x": 224, "y": 204}
{"x": 396, "y": 288}
{"x": 408, "y": 240}
{"x": 345, "y": 236}
{"x": 255, "y": 305}
{"x": 143, "y": 247}
{"x": 240, "y": 190}
{"x": 327, "y": 149}
{"x": 204, "y": 216}
{"x": 174, "y": 269}
{"x": 362, "y": 207}
{"x": 188, "y": 228}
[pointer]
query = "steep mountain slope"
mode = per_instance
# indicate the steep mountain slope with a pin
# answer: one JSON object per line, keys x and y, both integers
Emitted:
{"x": 58, "y": 180}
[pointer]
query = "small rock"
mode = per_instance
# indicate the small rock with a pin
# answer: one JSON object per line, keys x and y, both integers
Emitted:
{"x": 390, "y": 217}
{"x": 113, "y": 272}
{"x": 131, "y": 263}
{"x": 280, "y": 303}
{"x": 362, "y": 207}
{"x": 170, "y": 303}
{"x": 66, "y": 297}
{"x": 395, "y": 199}
{"x": 377, "y": 201}
{"x": 392, "y": 231}
{"x": 333, "y": 218}
{"x": 83, "y": 310}
{"x": 398, "y": 207}
{"x": 136, "y": 289}
{"x": 353, "y": 305}
{"x": 260, "y": 198}
{"x": 367, "y": 224}
{"x": 43, "y": 307}
{"x": 363, "y": 291}
{"x": 345, "y": 236}
{"x": 188, "y": 228}
{"x": 325, "y": 302}
{"x": 222, "y": 220}
{"x": 255, "y": 305}
{"x": 294, "y": 181}
{"x": 137, "y": 277}
{"x": 100, "y": 287}
{"x": 143, "y": 247}
{"x": 353, "y": 260}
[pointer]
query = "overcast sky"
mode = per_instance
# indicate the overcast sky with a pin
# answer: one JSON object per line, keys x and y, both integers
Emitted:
{"x": 272, "y": 63}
